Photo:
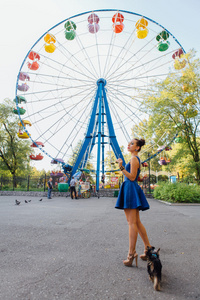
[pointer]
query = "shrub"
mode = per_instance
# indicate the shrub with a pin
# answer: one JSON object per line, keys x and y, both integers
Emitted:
{"x": 177, "y": 192}
{"x": 23, "y": 186}
{"x": 6, "y": 187}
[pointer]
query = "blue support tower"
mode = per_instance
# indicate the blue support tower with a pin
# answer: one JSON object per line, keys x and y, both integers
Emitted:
{"x": 100, "y": 116}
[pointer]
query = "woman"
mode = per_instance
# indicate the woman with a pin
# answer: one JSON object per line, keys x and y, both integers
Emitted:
{"x": 132, "y": 199}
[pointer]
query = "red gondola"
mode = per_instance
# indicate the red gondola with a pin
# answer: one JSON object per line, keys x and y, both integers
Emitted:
{"x": 145, "y": 164}
{"x": 36, "y": 157}
{"x": 33, "y": 55}
{"x": 178, "y": 53}
{"x": 35, "y": 144}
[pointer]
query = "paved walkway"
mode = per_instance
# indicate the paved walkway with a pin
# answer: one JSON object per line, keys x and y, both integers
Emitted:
{"x": 73, "y": 249}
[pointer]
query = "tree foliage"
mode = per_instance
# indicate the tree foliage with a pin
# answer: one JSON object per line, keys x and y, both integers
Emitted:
{"x": 14, "y": 153}
{"x": 173, "y": 105}
{"x": 74, "y": 156}
{"x": 182, "y": 163}
{"x": 110, "y": 159}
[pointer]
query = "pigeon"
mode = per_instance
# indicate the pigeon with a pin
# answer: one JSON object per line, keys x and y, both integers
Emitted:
{"x": 40, "y": 199}
{"x": 17, "y": 202}
{"x": 29, "y": 200}
{"x": 25, "y": 201}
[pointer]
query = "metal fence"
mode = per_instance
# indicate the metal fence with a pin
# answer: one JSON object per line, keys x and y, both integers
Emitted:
{"x": 28, "y": 183}
{"x": 34, "y": 183}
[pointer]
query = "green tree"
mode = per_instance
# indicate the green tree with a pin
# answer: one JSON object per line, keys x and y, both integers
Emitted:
{"x": 74, "y": 156}
{"x": 39, "y": 173}
{"x": 182, "y": 162}
{"x": 14, "y": 153}
{"x": 110, "y": 159}
{"x": 173, "y": 105}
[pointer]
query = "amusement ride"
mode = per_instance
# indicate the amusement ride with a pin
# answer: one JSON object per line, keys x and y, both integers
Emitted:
{"x": 82, "y": 82}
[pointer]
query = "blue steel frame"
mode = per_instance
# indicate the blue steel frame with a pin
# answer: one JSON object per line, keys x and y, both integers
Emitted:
{"x": 99, "y": 116}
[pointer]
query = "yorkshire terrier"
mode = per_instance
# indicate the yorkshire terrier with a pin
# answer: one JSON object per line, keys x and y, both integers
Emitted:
{"x": 154, "y": 266}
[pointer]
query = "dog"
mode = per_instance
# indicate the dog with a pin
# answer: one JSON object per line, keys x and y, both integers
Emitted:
{"x": 154, "y": 266}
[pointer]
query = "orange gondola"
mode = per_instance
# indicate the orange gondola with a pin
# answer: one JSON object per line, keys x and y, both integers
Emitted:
{"x": 33, "y": 66}
{"x": 117, "y": 18}
{"x": 117, "y": 28}
{"x": 118, "y": 25}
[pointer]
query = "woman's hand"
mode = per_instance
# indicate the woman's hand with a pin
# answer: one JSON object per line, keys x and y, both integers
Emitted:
{"x": 119, "y": 161}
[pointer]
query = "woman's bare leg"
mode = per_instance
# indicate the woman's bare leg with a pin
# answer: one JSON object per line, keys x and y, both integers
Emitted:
{"x": 132, "y": 219}
{"x": 142, "y": 232}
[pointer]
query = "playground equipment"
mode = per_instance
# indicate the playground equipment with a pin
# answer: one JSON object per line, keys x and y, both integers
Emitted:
{"x": 85, "y": 78}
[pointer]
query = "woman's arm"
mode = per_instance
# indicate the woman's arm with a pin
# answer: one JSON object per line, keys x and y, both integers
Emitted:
{"x": 133, "y": 170}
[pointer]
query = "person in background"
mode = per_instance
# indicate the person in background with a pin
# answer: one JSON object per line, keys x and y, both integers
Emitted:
{"x": 76, "y": 188}
{"x": 103, "y": 180}
{"x": 72, "y": 187}
{"x": 79, "y": 190}
{"x": 50, "y": 188}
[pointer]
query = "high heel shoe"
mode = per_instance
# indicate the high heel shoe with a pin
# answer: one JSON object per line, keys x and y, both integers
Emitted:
{"x": 144, "y": 255}
{"x": 129, "y": 261}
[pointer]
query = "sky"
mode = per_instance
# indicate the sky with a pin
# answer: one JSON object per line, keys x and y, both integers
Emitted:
{"x": 22, "y": 22}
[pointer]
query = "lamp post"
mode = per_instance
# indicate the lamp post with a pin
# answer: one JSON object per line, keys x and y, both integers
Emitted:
{"x": 149, "y": 174}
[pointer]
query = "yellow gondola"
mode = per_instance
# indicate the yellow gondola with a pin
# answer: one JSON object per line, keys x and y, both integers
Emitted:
{"x": 23, "y": 135}
{"x": 49, "y": 38}
{"x": 142, "y": 33}
{"x": 50, "y": 41}
{"x": 141, "y": 24}
{"x": 50, "y": 48}
{"x": 25, "y": 122}
{"x": 141, "y": 28}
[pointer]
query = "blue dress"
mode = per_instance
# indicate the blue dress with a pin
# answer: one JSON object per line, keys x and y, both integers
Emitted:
{"x": 131, "y": 195}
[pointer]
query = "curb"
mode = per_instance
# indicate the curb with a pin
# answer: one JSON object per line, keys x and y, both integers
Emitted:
{"x": 178, "y": 204}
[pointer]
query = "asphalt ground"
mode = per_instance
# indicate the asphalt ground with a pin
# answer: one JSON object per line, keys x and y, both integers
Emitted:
{"x": 73, "y": 249}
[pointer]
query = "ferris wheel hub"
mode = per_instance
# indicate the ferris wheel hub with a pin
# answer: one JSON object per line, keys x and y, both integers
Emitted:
{"x": 101, "y": 80}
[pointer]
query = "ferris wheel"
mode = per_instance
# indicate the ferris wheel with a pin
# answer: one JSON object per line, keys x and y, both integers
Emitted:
{"x": 81, "y": 84}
